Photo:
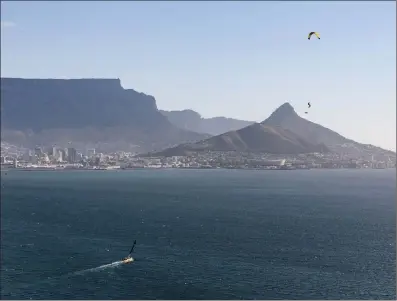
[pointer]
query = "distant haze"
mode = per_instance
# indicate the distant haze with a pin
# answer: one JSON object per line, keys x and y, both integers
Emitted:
{"x": 233, "y": 59}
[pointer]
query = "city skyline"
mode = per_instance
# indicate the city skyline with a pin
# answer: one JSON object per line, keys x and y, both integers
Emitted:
{"x": 53, "y": 158}
{"x": 233, "y": 59}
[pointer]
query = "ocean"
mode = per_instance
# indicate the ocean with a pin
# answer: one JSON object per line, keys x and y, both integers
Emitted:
{"x": 201, "y": 234}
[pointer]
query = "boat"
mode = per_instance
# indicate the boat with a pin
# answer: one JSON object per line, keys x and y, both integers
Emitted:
{"x": 129, "y": 258}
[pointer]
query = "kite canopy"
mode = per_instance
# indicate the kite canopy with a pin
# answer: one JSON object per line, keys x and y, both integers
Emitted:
{"x": 314, "y": 33}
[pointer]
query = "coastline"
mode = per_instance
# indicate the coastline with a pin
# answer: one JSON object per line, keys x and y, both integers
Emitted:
{"x": 51, "y": 169}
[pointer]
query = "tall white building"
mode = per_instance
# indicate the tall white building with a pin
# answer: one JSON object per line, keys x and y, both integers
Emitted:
{"x": 58, "y": 155}
{"x": 52, "y": 151}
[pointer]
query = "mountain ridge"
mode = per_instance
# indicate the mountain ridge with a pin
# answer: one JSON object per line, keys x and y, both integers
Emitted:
{"x": 99, "y": 112}
{"x": 92, "y": 111}
{"x": 193, "y": 121}
{"x": 284, "y": 124}
{"x": 286, "y": 117}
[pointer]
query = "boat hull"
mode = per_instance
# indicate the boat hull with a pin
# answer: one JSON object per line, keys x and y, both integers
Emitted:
{"x": 127, "y": 260}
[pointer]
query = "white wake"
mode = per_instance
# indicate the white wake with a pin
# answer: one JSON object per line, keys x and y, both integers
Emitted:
{"x": 100, "y": 268}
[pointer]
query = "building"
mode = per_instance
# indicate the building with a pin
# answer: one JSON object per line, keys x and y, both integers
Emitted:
{"x": 58, "y": 156}
{"x": 38, "y": 152}
{"x": 90, "y": 152}
{"x": 26, "y": 156}
{"x": 64, "y": 154}
{"x": 72, "y": 155}
{"x": 79, "y": 157}
{"x": 45, "y": 158}
{"x": 34, "y": 159}
{"x": 54, "y": 151}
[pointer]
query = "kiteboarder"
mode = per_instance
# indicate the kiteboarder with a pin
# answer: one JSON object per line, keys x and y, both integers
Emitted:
{"x": 129, "y": 257}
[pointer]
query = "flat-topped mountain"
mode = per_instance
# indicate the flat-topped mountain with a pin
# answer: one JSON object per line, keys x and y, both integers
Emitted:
{"x": 84, "y": 111}
{"x": 192, "y": 121}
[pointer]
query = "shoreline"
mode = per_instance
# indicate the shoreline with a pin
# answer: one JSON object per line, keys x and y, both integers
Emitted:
{"x": 44, "y": 169}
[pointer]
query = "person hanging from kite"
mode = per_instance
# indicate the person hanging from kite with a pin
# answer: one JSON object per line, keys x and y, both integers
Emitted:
{"x": 309, "y": 106}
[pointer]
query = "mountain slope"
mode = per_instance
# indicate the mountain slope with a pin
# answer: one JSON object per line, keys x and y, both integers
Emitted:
{"x": 191, "y": 120}
{"x": 284, "y": 132}
{"x": 86, "y": 112}
{"x": 253, "y": 138}
{"x": 286, "y": 117}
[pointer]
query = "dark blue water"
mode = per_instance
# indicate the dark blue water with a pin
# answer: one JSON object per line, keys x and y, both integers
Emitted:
{"x": 212, "y": 234}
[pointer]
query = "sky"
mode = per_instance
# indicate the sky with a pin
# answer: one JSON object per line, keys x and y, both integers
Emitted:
{"x": 236, "y": 59}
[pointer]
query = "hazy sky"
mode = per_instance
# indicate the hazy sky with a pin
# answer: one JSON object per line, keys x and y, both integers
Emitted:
{"x": 234, "y": 59}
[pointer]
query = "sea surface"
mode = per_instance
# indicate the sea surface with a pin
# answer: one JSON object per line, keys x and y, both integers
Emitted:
{"x": 201, "y": 234}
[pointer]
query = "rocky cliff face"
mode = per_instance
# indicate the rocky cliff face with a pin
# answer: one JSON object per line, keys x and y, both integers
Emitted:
{"x": 93, "y": 110}
{"x": 39, "y": 104}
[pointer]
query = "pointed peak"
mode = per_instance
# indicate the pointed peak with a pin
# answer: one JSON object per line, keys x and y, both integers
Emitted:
{"x": 285, "y": 108}
{"x": 282, "y": 112}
